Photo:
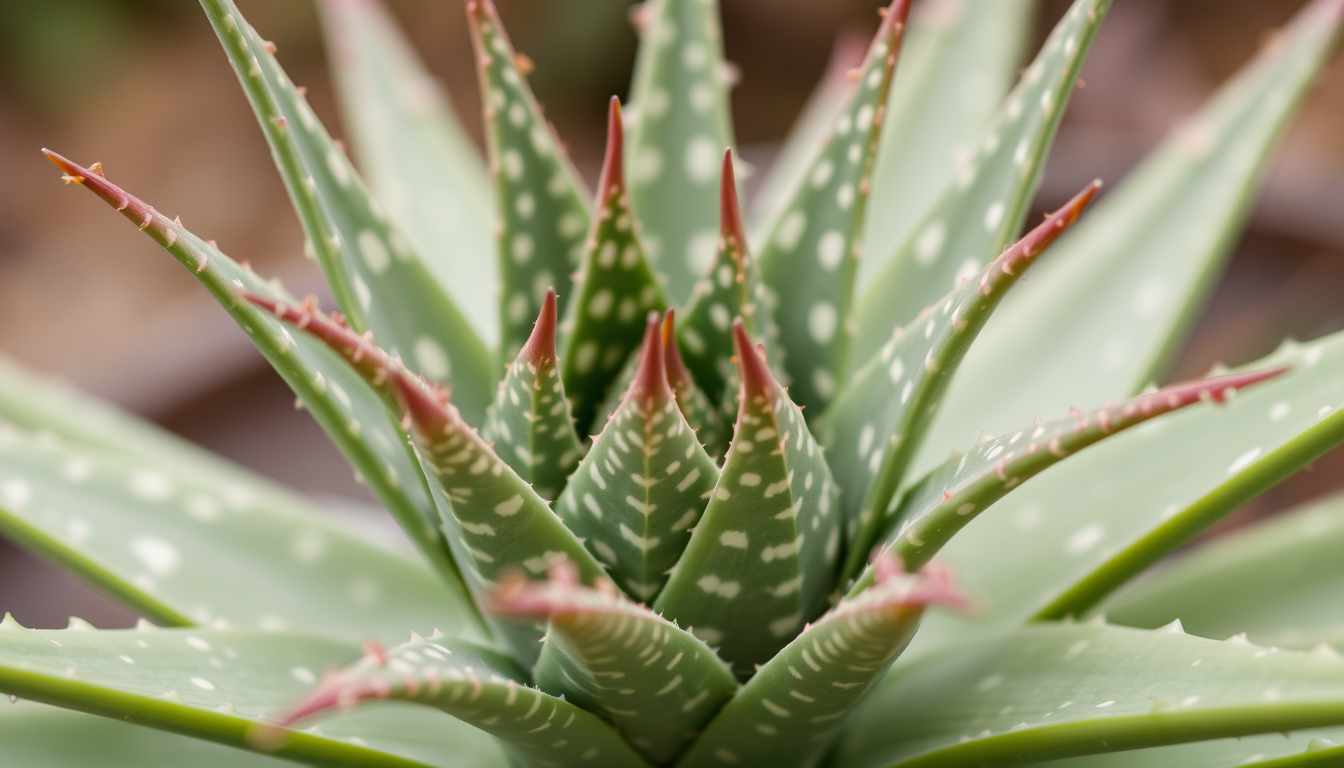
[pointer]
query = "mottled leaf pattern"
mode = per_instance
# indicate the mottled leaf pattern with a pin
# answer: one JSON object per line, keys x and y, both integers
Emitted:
{"x": 809, "y": 259}
{"x": 656, "y": 683}
{"x": 1101, "y": 319}
{"x": 763, "y": 559}
{"x": 350, "y": 413}
{"x": 477, "y": 686}
{"x": 678, "y": 126}
{"x": 380, "y": 282}
{"x": 159, "y": 540}
{"x": 1056, "y": 690}
{"x": 616, "y": 290}
{"x": 222, "y": 686}
{"x": 415, "y": 154}
{"x": 983, "y": 207}
{"x": 791, "y": 709}
{"x": 729, "y": 288}
{"x": 960, "y": 59}
{"x": 529, "y": 422}
{"x": 643, "y": 485}
{"x": 877, "y": 422}
{"x": 944, "y": 501}
{"x": 540, "y": 202}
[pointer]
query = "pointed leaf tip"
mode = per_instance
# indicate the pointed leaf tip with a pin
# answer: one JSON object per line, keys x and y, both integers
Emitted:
{"x": 1037, "y": 240}
{"x": 756, "y": 378}
{"x": 730, "y": 213}
{"x": 541, "y": 344}
{"x": 651, "y": 378}
{"x": 677, "y": 375}
{"x": 613, "y": 164}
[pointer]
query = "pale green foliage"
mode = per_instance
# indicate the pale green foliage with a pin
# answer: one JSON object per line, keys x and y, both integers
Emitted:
{"x": 776, "y": 635}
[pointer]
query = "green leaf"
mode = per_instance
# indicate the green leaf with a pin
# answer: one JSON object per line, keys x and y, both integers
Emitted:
{"x": 218, "y": 686}
{"x": 762, "y": 560}
{"x": 1054, "y": 691}
{"x": 786, "y": 170}
{"x": 529, "y": 422}
{"x": 418, "y": 160}
{"x": 1299, "y": 749}
{"x": 928, "y": 515}
{"x": 380, "y": 282}
{"x": 183, "y": 549}
{"x": 960, "y": 60}
{"x": 477, "y": 686}
{"x": 791, "y": 709}
{"x": 678, "y": 127}
{"x": 616, "y": 289}
{"x": 657, "y": 684}
{"x": 730, "y": 287}
{"x": 978, "y": 213}
{"x": 809, "y": 259}
{"x": 695, "y": 405}
{"x": 348, "y": 411}
{"x": 38, "y": 736}
{"x": 1101, "y": 319}
{"x": 1072, "y": 535}
{"x": 643, "y": 486}
{"x": 497, "y": 521}
{"x": 1278, "y": 581}
{"x": 876, "y": 423}
{"x": 540, "y": 202}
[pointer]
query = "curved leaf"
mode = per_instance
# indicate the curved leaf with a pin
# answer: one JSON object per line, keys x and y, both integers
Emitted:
{"x": 183, "y": 549}
{"x": 348, "y": 411}
{"x": 878, "y": 420}
{"x": 1102, "y": 318}
{"x": 379, "y": 281}
{"x": 1054, "y": 691}
{"x": 1069, "y": 537}
{"x": 809, "y": 259}
{"x": 960, "y": 60}
{"x": 978, "y": 213}
{"x": 679, "y": 125}
{"x": 415, "y": 154}
{"x": 540, "y": 202}
{"x": 478, "y": 687}
{"x": 762, "y": 560}
{"x": 790, "y": 710}
{"x": 643, "y": 485}
{"x": 222, "y": 686}
{"x": 616, "y": 289}
{"x": 1278, "y": 581}
{"x": 657, "y": 684}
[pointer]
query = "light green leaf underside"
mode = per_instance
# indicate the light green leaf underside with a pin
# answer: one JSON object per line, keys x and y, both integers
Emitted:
{"x": 960, "y": 60}
{"x": 678, "y": 130}
{"x": 541, "y": 205}
{"x": 1067, "y": 538}
{"x": 1279, "y": 581}
{"x": 1056, "y": 690}
{"x": 186, "y": 549}
{"x": 762, "y": 560}
{"x": 352, "y": 414}
{"x": 639, "y": 491}
{"x": 256, "y": 674}
{"x": 480, "y": 687}
{"x": 378, "y": 279}
{"x": 38, "y": 736}
{"x": 983, "y": 207}
{"x": 1298, "y": 749}
{"x": 810, "y": 257}
{"x": 1100, "y": 320}
{"x": 418, "y": 160}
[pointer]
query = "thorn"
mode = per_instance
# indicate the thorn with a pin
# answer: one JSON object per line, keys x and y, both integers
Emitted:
{"x": 373, "y": 651}
{"x": 523, "y": 64}
{"x": 97, "y": 168}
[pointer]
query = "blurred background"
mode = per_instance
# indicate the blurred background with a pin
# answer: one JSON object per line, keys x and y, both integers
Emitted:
{"x": 142, "y": 86}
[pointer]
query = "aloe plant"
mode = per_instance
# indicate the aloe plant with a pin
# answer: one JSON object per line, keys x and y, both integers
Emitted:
{"x": 738, "y": 567}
